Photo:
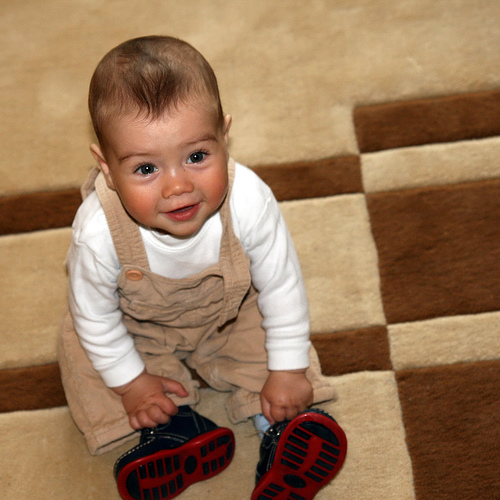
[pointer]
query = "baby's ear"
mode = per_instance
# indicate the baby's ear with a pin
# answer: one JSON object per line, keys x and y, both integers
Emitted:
{"x": 103, "y": 165}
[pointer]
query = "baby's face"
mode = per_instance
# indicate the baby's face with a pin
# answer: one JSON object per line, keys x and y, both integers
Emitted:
{"x": 171, "y": 174}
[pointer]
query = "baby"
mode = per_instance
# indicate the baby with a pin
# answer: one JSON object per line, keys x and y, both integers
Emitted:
{"x": 181, "y": 262}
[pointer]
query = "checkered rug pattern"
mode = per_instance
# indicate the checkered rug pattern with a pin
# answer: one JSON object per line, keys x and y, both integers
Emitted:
{"x": 400, "y": 246}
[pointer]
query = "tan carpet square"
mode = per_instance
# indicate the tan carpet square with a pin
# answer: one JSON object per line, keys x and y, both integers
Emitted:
{"x": 53, "y": 447}
{"x": 33, "y": 284}
{"x": 430, "y": 165}
{"x": 455, "y": 339}
{"x": 339, "y": 261}
{"x": 377, "y": 464}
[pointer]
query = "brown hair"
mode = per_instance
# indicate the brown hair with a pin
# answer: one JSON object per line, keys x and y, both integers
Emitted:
{"x": 150, "y": 75}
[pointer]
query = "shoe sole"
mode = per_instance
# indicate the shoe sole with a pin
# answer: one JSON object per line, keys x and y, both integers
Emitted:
{"x": 310, "y": 452}
{"x": 167, "y": 473}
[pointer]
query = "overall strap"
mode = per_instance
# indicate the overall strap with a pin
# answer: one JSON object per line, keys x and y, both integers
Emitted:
{"x": 224, "y": 209}
{"x": 89, "y": 185}
{"x": 124, "y": 230}
{"x": 233, "y": 261}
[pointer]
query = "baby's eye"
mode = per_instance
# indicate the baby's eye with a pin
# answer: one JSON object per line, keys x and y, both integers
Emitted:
{"x": 197, "y": 157}
{"x": 146, "y": 169}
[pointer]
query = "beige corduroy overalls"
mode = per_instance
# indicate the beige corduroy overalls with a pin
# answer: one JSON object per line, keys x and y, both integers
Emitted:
{"x": 209, "y": 322}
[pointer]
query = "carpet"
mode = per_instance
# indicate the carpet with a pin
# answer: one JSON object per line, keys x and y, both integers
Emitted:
{"x": 376, "y": 124}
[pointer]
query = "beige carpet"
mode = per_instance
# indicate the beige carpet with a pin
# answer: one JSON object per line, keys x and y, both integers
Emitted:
{"x": 376, "y": 123}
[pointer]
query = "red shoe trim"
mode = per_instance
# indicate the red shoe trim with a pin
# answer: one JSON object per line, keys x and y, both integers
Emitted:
{"x": 167, "y": 473}
{"x": 304, "y": 461}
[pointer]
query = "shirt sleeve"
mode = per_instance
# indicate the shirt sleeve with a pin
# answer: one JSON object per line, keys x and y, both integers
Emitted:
{"x": 93, "y": 271}
{"x": 276, "y": 273}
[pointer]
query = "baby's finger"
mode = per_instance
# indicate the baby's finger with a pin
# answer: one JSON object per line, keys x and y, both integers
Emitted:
{"x": 167, "y": 406}
{"x": 291, "y": 413}
{"x": 266, "y": 410}
{"x": 132, "y": 419}
{"x": 145, "y": 420}
{"x": 278, "y": 413}
{"x": 157, "y": 415}
{"x": 174, "y": 387}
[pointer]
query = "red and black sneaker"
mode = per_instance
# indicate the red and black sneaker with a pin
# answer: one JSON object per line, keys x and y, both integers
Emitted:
{"x": 171, "y": 457}
{"x": 299, "y": 457}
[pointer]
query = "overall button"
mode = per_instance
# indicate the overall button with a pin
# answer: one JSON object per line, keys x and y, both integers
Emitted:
{"x": 134, "y": 275}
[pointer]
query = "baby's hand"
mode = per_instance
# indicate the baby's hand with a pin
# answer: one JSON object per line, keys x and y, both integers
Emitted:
{"x": 146, "y": 402}
{"x": 285, "y": 394}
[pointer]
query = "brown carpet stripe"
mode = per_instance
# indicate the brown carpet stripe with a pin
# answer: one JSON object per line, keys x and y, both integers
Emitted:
{"x": 451, "y": 417}
{"x": 313, "y": 179}
{"x": 31, "y": 388}
{"x": 38, "y": 211}
{"x": 438, "y": 250}
{"x": 427, "y": 121}
{"x": 353, "y": 351}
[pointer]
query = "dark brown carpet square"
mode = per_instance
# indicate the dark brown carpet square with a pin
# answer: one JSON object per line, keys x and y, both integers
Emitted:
{"x": 426, "y": 121}
{"x": 31, "y": 388}
{"x": 38, "y": 211}
{"x": 313, "y": 179}
{"x": 451, "y": 418}
{"x": 439, "y": 250}
{"x": 353, "y": 351}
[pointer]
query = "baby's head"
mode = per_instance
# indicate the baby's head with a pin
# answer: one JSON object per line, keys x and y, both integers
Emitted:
{"x": 150, "y": 76}
{"x": 156, "y": 111}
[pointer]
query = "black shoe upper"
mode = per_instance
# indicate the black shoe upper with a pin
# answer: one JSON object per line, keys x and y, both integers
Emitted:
{"x": 268, "y": 447}
{"x": 181, "y": 428}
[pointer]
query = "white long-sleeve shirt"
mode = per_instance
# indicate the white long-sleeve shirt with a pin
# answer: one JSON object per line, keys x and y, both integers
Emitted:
{"x": 94, "y": 269}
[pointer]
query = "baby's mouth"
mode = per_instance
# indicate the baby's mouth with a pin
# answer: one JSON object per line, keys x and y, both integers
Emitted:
{"x": 182, "y": 210}
{"x": 184, "y": 213}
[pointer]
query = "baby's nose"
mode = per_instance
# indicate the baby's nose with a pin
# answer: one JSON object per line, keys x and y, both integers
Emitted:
{"x": 177, "y": 182}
